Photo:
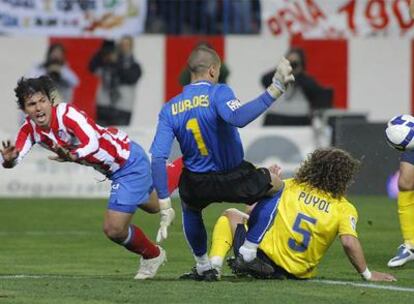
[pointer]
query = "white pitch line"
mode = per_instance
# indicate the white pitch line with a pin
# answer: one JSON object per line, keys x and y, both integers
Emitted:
{"x": 22, "y": 276}
{"x": 365, "y": 285}
{"x": 327, "y": 282}
{"x": 46, "y": 276}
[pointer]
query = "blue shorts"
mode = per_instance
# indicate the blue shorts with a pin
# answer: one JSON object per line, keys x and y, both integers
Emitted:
{"x": 408, "y": 157}
{"x": 132, "y": 183}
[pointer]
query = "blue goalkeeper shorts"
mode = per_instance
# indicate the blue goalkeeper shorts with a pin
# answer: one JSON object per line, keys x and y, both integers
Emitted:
{"x": 132, "y": 183}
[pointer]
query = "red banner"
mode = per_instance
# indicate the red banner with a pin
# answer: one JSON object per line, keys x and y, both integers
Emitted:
{"x": 337, "y": 18}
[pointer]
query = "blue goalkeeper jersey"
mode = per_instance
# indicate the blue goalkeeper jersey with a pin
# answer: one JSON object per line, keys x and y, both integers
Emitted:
{"x": 204, "y": 119}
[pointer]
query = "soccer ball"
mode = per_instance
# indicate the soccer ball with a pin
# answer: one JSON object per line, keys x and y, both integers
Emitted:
{"x": 400, "y": 132}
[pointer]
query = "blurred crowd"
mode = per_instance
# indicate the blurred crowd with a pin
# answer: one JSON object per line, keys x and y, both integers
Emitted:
{"x": 203, "y": 17}
{"x": 119, "y": 72}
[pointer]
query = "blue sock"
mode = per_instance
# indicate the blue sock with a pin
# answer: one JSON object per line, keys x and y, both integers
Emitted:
{"x": 195, "y": 231}
{"x": 262, "y": 217}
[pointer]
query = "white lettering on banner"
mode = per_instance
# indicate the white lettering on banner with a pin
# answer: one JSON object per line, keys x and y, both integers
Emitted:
{"x": 88, "y": 18}
{"x": 338, "y": 18}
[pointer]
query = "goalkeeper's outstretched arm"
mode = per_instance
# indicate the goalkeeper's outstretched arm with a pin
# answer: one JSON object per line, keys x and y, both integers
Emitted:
{"x": 353, "y": 250}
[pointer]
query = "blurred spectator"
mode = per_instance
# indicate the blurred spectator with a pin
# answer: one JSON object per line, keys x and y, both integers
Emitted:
{"x": 203, "y": 17}
{"x": 56, "y": 67}
{"x": 185, "y": 75}
{"x": 301, "y": 99}
{"x": 241, "y": 12}
{"x": 119, "y": 73}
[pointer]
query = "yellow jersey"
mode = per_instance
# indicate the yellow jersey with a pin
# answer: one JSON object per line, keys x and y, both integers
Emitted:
{"x": 306, "y": 224}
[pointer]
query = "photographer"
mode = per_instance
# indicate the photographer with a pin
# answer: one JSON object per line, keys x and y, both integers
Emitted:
{"x": 58, "y": 70}
{"x": 119, "y": 73}
{"x": 302, "y": 99}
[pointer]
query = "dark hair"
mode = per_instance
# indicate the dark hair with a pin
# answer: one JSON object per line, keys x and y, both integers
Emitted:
{"x": 51, "y": 48}
{"x": 26, "y": 87}
{"x": 330, "y": 169}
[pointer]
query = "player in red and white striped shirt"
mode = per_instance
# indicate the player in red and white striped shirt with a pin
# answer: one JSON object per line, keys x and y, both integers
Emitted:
{"x": 74, "y": 137}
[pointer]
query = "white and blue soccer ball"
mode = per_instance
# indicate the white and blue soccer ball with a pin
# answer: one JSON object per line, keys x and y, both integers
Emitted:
{"x": 400, "y": 132}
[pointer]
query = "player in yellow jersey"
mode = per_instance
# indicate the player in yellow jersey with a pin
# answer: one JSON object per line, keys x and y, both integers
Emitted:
{"x": 312, "y": 211}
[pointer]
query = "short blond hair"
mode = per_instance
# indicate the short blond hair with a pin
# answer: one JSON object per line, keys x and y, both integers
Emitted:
{"x": 201, "y": 59}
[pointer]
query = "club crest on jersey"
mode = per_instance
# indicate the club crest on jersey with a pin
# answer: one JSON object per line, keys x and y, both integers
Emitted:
{"x": 353, "y": 222}
{"x": 61, "y": 134}
{"x": 234, "y": 104}
{"x": 115, "y": 186}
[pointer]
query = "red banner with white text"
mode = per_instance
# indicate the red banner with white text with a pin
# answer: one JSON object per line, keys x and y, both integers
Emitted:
{"x": 322, "y": 19}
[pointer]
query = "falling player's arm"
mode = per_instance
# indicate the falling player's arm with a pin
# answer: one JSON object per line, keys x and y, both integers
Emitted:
{"x": 348, "y": 218}
{"x": 8, "y": 155}
{"x": 12, "y": 154}
{"x": 355, "y": 254}
{"x": 160, "y": 151}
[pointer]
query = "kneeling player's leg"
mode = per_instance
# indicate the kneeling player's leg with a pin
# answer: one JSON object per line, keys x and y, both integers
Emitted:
{"x": 222, "y": 238}
{"x": 261, "y": 218}
{"x": 276, "y": 180}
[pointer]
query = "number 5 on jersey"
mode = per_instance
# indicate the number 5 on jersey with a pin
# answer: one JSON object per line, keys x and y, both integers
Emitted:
{"x": 301, "y": 247}
{"x": 194, "y": 127}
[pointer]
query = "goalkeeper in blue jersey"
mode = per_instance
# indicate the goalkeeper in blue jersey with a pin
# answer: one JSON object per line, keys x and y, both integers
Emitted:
{"x": 204, "y": 118}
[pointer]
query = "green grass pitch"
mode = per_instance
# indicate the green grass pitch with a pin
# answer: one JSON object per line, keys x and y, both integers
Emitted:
{"x": 54, "y": 251}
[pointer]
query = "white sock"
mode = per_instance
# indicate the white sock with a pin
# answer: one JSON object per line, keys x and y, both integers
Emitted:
{"x": 216, "y": 262}
{"x": 202, "y": 263}
{"x": 248, "y": 251}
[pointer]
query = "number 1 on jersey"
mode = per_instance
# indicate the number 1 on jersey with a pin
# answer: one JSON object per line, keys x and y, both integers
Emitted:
{"x": 194, "y": 127}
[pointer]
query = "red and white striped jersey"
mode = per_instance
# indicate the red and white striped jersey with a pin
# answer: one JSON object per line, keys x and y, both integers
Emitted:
{"x": 105, "y": 149}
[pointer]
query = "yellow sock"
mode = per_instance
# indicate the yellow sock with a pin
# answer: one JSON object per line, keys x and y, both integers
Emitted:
{"x": 406, "y": 214}
{"x": 222, "y": 238}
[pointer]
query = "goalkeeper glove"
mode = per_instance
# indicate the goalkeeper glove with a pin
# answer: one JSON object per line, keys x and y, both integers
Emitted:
{"x": 167, "y": 216}
{"x": 282, "y": 77}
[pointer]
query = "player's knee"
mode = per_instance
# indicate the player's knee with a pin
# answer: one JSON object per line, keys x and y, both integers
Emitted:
{"x": 152, "y": 209}
{"x": 114, "y": 232}
{"x": 405, "y": 184}
{"x": 235, "y": 216}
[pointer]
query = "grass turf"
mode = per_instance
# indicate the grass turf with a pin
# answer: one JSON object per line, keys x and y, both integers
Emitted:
{"x": 53, "y": 251}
